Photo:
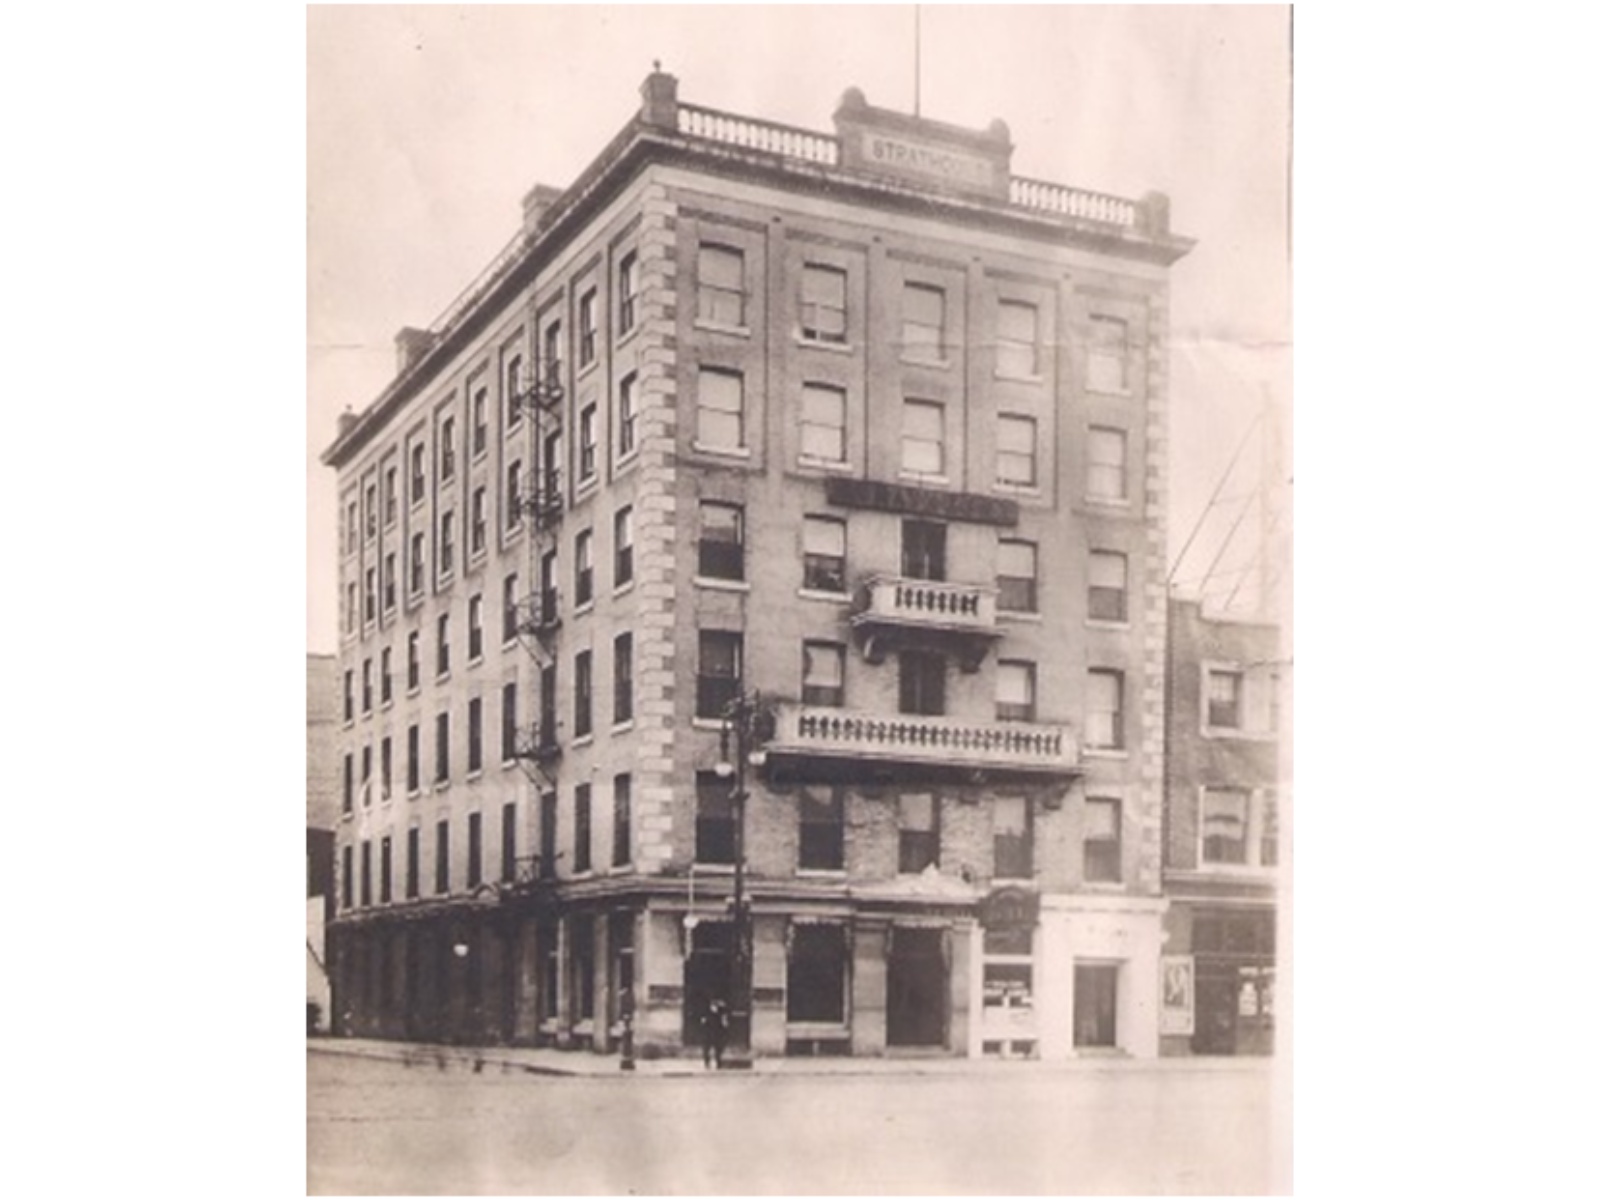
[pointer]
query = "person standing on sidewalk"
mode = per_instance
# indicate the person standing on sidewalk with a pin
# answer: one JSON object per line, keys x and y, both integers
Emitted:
{"x": 714, "y": 1026}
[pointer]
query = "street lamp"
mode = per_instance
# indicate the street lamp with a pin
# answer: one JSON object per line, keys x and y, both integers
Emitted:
{"x": 744, "y": 734}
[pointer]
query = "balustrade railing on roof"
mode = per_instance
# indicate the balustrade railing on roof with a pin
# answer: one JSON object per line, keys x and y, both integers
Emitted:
{"x": 1066, "y": 201}
{"x": 766, "y": 136}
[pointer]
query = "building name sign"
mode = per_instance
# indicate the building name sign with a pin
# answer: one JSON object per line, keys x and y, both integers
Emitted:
{"x": 925, "y": 160}
{"x": 1009, "y": 908}
{"x": 921, "y": 502}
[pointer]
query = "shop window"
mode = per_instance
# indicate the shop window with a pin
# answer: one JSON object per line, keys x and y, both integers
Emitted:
{"x": 819, "y": 958}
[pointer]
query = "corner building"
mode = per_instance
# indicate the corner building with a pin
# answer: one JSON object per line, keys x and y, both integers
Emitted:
{"x": 858, "y": 421}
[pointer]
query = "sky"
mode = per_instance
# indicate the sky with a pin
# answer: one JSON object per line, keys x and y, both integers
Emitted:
{"x": 426, "y": 126}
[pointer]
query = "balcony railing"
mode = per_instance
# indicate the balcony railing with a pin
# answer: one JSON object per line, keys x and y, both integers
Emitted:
{"x": 927, "y": 604}
{"x": 901, "y": 737}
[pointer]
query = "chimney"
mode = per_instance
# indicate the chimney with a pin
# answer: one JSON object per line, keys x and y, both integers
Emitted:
{"x": 410, "y": 345}
{"x": 347, "y": 420}
{"x": 536, "y": 204}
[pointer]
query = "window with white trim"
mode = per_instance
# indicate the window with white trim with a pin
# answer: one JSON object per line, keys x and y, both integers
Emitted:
{"x": 1107, "y": 463}
{"x": 822, "y": 304}
{"x": 1017, "y": 340}
{"x": 922, "y": 322}
{"x": 822, "y": 432}
{"x": 1108, "y": 354}
{"x": 1108, "y": 586}
{"x": 1017, "y": 451}
{"x": 922, "y": 437}
{"x": 719, "y": 410}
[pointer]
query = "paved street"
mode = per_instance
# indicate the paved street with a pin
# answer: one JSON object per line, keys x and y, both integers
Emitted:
{"x": 376, "y": 1127}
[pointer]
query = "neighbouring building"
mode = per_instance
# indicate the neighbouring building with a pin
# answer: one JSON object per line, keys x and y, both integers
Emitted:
{"x": 322, "y": 811}
{"x": 1226, "y": 786}
{"x": 859, "y": 421}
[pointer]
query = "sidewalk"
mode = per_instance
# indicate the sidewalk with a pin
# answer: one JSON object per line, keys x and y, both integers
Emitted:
{"x": 574, "y": 1063}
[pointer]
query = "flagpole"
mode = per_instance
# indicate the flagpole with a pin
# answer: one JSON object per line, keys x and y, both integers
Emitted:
{"x": 916, "y": 85}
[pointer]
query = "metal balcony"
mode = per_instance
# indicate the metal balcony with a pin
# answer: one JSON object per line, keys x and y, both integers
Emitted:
{"x": 848, "y": 734}
{"x": 892, "y": 609}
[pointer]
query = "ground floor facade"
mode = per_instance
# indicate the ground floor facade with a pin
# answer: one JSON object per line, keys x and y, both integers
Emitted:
{"x": 945, "y": 971}
{"x": 1219, "y": 975}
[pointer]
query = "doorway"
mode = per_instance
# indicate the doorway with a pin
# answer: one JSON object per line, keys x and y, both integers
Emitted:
{"x": 705, "y": 975}
{"x": 1094, "y": 1005}
{"x": 918, "y": 987}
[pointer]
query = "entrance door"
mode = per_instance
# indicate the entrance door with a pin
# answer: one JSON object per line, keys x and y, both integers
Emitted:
{"x": 1094, "y": 1005}
{"x": 705, "y": 975}
{"x": 919, "y": 983}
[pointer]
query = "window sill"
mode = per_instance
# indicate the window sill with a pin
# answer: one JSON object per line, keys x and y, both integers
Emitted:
{"x": 413, "y": 793}
{"x": 583, "y": 740}
{"x": 1105, "y": 886}
{"x": 933, "y": 364}
{"x": 475, "y": 662}
{"x": 622, "y": 727}
{"x": 702, "y": 323}
{"x": 921, "y": 480}
{"x": 622, "y": 589}
{"x": 829, "y": 597}
{"x": 701, "y": 868}
{"x": 1013, "y": 377}
{"x": 587, "y": 486}
{"x": 474, "y": 775}
{"x": 586, "y": 369}
{"x": 1112, "y": 752}
{"x": 1236, "y": 735}
{"x": 713, "y": 724}
{"x": 1019, "y": 489}
{"x": 1238, "y": 870}
{"x": 812, "y": 463}
{"x": 626, "y": 459}
{"x": 624, "y": 336}
{"x": 626, "y": 868}
{"x": 819, "y": 344}
{"x": 507, "y": 763}
{"x": 1022, "y": 616}
{"x": 441, "y": 785}
{"x": 712, "y": 584}
{"x": 1109, "y": 501}
{"x": 1101, "y": 623}
{"x": 386, "y": 704}
{"x": 1121, "y": 393}
{"x": 442, "y": 677}
{"x": 413, "y": 692}
{"x": 739, "y": 452}
{"x": 584, "y": 609}
{"x": 821, "y": 873}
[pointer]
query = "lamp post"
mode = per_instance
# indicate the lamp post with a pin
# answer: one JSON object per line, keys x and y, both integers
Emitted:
{"x": 743, "y": 737}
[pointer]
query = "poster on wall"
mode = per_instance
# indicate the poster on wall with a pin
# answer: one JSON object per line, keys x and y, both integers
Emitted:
{"x": 1177, "y": 994}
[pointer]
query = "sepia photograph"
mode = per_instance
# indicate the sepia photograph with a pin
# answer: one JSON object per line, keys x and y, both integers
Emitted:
{"x": 799, "y": 561}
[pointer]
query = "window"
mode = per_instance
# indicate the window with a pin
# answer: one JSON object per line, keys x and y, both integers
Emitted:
{"x": 366, "y": 685}
{"x": 391, "y": 494}
{"x": 919, "y": 831}
{"x": 1017, "y": 456}
{"x": 442, "y": 653}
{"x": 480, "y": 421}
{"x": 413, "y": 660}
{"x": 475, "y": 734}
{"x": 386, "y": 676}
{"x": 582, "y": 827}
{"x": 441, "y": 748}
{"x": 513, "y": 496}
{"x": 627, "y": 292}
{"x": 475, "y": 628}
{"x": 586, "y": 329}
{"x": 548, "y": 612}
{"x": 721, "y": 295}
{"x": 922, "y": 323}
{"x": 350, "y": 609}
{"x": 720, "y": 412}
{"x": 622, "y": 540}
{"x": 349, "y": 783}
{"x": 474, "y": 849}
{"x": 347, "y": 879}
{"x": 822, "y": 316}
{"x": 419, "y": 561}
{"x": 419, "y": 473}
{"x": 1238, "y": 827}
{"x": 1013, "y": 838}
{"x": 386, "y": 768}
{"x": 922, "y": 549}
{"x": 819, "y": 959}
{"x": 822, "y": 423}
{"x": 1102, "y": 840}
{"x": 822, "y": 674}
{"x": 366, "y": 776}
{"x": 388, "y": 582}
{"x": 508, "y": 842}
{"x": 922, "y": 682}
{"x": 413, "y": 758}
{"x": 1108, "y": 354}
{"x": 1018, "y": 576}
{"x": 1223, "y": 690}
{"x": 547, "y": 835}
{"x": 1108, "y": 586}
{"x": 622, "y": 678}
{"x": 447, "y": 544}
{"x": 721, "y": 541}
{"x": 508, "y": 722}
{"x": 547, "y": 491}
{"x": 349, "y": 695}
{"x": 1014, "y": 691}
{"x": 922, "y": 438}
{"x": 413, "y": 863}
{"x": 627, "y": 416}
{"x": 369, "y": 604}
{"x": 508, "y": 608}
{"x": 586, "y": 443}
{"x": 352, "y": 528}
{"x": 721, "y": 655}
{"x": 821, "y": 829}
{"x": 1103, "y": 724}
{"x": 447, "y": 449}
{"x": 369, "y": 498}
{"x": 385, "y": 870}
{"x": 713, "y": 819}
{"x": 547, "y": 707}
{"x": 513, "y": 392}
{"x": 622, "y": 820}
{"x": 1108, "y": 464}
{"x": 1017, "y": 340}
{"x": 823, "y": 554}
{"x": 583, "y": 694}
{"x": 441, "y": 858}
{"x": 583, "y": 589}
{"x": 552, "y": 351}
{"x": 366, "y": 873}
